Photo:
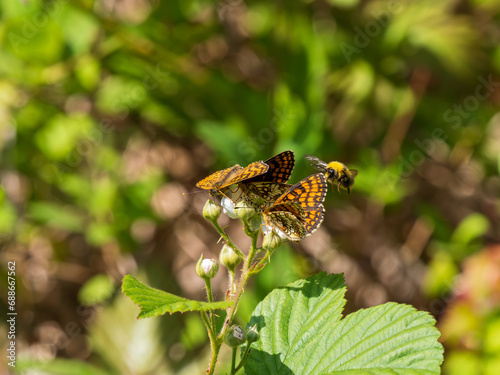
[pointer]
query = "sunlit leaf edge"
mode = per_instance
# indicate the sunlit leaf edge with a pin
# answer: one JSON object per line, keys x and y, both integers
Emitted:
{"x": 385, "y": 330}
{"x": 154, "y": 302}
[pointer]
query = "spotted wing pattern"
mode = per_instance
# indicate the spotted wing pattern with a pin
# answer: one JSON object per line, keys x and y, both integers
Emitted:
{"x": 280, "y": 168}
{"x": 313, "y": 219}
{"x": 263, "y": 193}
{"x": 286, "y": 222}
{"x": 216, "y": 179}
{"x": 233, "y": 175}
{"x": 267, "y": 187}
{"x": 309, "y": 192}
{"x": 252, "y": 170}
{"x": 299, "y": 210}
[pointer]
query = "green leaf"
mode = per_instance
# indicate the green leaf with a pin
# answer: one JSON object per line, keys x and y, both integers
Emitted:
{"x": 96, "y": 290}
{"x": 8, "y": 216}
{"x": 344, "y": 3}
{"x": 473, "y": 226}
{"x": 154, "y": 302}
{"x": 79, "y": 28}
{"x": 37, "y": 44}
{"x": 58, "y": 366}
{"x": 59, "y": 138}
{"x": 56, "y": 215}
{"x": 302, "y": 332}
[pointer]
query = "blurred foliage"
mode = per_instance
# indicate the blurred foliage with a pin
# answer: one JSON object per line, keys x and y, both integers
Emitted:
{"x": 471, "y": 323}
{"x": 110, "y": 110}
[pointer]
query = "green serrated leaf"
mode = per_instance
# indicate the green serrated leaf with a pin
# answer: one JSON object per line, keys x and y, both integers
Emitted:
{"x": 154, "y": 302}
{"x": 301, "y": 332}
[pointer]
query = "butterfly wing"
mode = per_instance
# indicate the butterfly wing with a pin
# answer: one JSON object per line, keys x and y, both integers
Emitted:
{"x": 313, "y": 219}
{"x": 309, "y": 192}
{"x": 263, "y": 193}
{"x": 232, "y": 175}
{"x": 280, "y": 168}
{"x": 250, "y": 171}
{"x": 299, "y": 210}
{"x": 286, "y": 218}
{"x": 216, "y": 179}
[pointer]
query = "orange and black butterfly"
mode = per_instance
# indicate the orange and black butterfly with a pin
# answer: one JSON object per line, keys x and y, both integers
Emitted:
{"x": 299, "y": 210}
{"x": 280, "y": 168}
{"x": 219, "y": 181}
{"x": 335, "y": 172}
{"x": 267, "y": 187}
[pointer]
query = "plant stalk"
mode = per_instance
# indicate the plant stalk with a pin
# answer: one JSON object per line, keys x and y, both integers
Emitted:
{"x": 226, "y": 239}
{"x": 214, "y": 344}
{"x": 240, "y": 285}
{"x": 233, "y": 361}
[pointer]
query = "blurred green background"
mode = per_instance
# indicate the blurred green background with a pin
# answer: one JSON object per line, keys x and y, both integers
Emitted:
{"x": 111, "y": 110}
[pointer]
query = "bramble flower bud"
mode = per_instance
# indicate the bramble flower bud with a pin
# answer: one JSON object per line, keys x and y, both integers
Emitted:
{"x": 254, "y": 223}
{"x": 244, "y": 211}
{"x": 207, "y": 268}
{"x": 211, "y": 211}
{"x": 229, "y": 258}
{"x": 252, "y": 334}
{"x": 235, "y": 336}
{"x": 228, "y": 207}
{"x": 271, "y": 240}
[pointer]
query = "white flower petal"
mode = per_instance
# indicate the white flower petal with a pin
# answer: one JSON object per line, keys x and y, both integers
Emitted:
{"x": 266, "y": 230}
{"x": 280, "y": 233}
{"x": 207, "y": 264}
{"x": 228, "y": 207}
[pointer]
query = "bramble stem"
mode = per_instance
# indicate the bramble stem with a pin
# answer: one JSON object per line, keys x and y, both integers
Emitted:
{"x": 244, "y": 358}
{"x": 227, "y": 239}
{"x": 261, "y": 264}
{"x": 240, "y": 285}
{"x": 233, "y": 361}
{"x": 236, "y": 289}
{"x": 231, "y": 282}
{"x": 253, "y": 249}
{"x": 209, "y": 290}
{"x": 214, "y": 345}
{"x": 210, "y": 299}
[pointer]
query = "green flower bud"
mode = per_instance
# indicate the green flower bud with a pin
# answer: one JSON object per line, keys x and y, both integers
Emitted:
{"x": 235, "y": 336}
{"x": 229, "y": 258}
{"x": 271, "y": 241}
{"x": 207, "y": 268}
{"x": 211, "y": 211}
{"x": 244, "y": 211}
{"x": 252, "y": 334}
{"x": 254, "y": 223}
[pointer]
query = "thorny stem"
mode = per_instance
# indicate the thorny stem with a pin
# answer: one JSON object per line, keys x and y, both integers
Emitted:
{"x": 209, "y": 290}
{"x": 231, "y": 281}
{"x": 240, "y": 285}
{"x": 210, "y": 299}
{"x": 260, "y": 265}
{"x": 236, "y": 288}
{"x": 227, "y": 239}
{"x": 214, "y": 344}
